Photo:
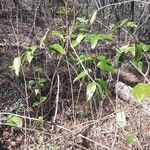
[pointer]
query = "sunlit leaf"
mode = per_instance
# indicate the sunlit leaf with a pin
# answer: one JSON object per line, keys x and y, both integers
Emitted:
{"x": 105, "y": 64}
{"x": 121, "y": 119}
{"x": 144, "y": 47}
{"x": 81, "y": 75}
{"x": 58, "y": 34}
{"x": 58, "y": 48}
{"x": 74, "y": 43}
{"x": 44, "y": 38}
{"x": 15, "y": 121}
{"x": 94, "y": 38}
{"x": 37, "y": 91}
{"x": 141, "y": 91}
{"x": 132, "y": 24}
{"x": 79, "y": 38}
{"x": 30, "y": 53}
{"x": 106, "y": 67}
{"x": 119, "y": 24}
{"x": 128, "y": 48}
{"x": 131, "y": 139}
{"x": 43, "y": 99}
{"x": 91, "y": 88}
{"x": 84, "y": 58}
{"x": 93, "y": 17}
{"x": 123, "y": 22}
{"x": 17, "y": 65}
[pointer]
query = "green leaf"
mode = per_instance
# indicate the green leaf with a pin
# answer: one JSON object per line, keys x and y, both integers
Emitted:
{"x": 43, "y": 99}
{"x": 104, "y": 86}
{"x": 36, "y": 104}
{"x": 123, "y": 22}
{"x": 121, "y": 119}
{"x": 138, "y": 64}
{"x": 131, "y": 139}
{"x": 81, "y": 75}
{"x": 30, "y": 53}
{"x": 74, "y": 43}
{"x": 58, "y": 34}
{"x": 17, "y": 65}
{"x": 82, "y": 24}
{"x": 144, "y": 47}
{"x": 132, "y": 24}
{"x": 105, "y": 66}
{"x": 15, "y": 121}
{"x": 128, "y": 48}
{"x": 37, "y": 91}
{"x": 58, "y": 48}
{"x": 119, "y": 24}
{"x": 93, "y": 17}
{"x": 84, "y": 58}
{"x": 100, "y": 91}
{"x": 91, "y": 88}
{"x": 141, "y": 91}
{"x": 41, "y": 82}
{"x": 79, "y": 38}
{"x": 94, "y": 38}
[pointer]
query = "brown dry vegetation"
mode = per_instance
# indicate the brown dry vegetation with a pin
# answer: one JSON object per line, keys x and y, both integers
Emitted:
{"x": 69, "y": 121}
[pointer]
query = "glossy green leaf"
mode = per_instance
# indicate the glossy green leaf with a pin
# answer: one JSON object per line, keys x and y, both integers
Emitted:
{"x": 106, "y": 67}
{"x": 105, "y": 64}
{"x": 121, "y": 119}
{"x": 131, "y": 139}
{"x": 58, "y": 48}
{"x": 141, "y": 91}
{"x": 30, "y": 53}
{"x": 93, "y": 17}
{"x": 17, "y": 65}
{"x": 91, "y": 88}
{"x": 14, "y": 121}
{"x": 81, "y": 75}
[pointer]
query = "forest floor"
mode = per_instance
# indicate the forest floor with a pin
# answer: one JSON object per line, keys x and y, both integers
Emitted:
{"x": 77, "y": 124}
